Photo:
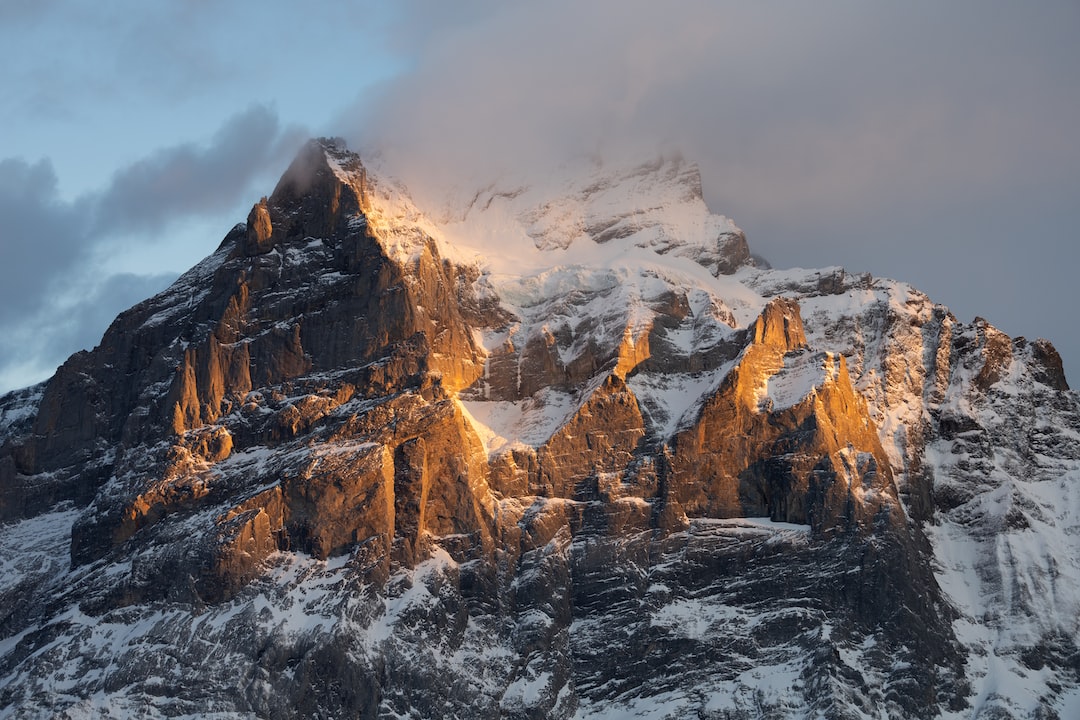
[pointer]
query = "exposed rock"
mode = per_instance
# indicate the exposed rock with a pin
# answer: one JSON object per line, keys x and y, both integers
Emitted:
{"x": 259, "y": 229}
{"x": 996, "y": 348}
{"x": 817, "y": 461}
{"x": 1048, "y": 368}
{"x": 340, "y": 497}
{"x": 780, "y": 326}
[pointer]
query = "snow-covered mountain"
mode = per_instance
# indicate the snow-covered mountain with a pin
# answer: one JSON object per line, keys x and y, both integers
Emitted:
{"x": 551, "y": 450}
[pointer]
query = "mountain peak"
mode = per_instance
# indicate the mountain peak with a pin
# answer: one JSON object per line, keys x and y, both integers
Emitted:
{"x": 318, "y": 163}
{"x": 780, "y": 326}
{"x": 454, "y": 461}
{"x": 590, "y": 215}
{"x": 322, "y": 191}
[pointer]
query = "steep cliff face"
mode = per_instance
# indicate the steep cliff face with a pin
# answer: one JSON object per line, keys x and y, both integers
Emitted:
{"x": 557, "y": 453}
{"x": 983, "y": 432}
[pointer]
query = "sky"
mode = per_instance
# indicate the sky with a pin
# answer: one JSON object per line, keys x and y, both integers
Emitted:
{"x": 935, "y": 143}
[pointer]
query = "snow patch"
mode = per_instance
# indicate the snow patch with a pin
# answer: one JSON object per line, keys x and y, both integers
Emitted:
{"x": 803, "y": 373}
{"x": 671, "y": 401}
{"x": 502, "y": 425}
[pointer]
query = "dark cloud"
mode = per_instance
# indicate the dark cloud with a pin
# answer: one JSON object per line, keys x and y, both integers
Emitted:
{"x": 84, "y": 323}
{"x": 42, "y": 236}
{"x": 933, "y": 143}
{"x": 56, "y": 295}
{"x": 189, "y": 180}
{"x": 51, "y": 332}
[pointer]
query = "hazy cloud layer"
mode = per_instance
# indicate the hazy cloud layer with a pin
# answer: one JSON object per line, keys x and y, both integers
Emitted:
{"x": 39, "y": 341}
{"x": 790, "y": 107}
{"x": 933, "y": 143}
{"x": 56, "y": 294}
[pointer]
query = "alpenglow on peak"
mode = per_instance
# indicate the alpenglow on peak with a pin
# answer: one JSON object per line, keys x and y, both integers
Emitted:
{"x": 555, "y": 450}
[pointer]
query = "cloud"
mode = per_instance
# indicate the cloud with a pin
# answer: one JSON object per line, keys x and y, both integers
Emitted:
{"x": 188, "y": 180}
{"x": 85, "y": 321}
{"x": 848, "y": 133}
{"x": 56, "y": 294}
{"x": 43, "y": 237}
{"x": 805, "y": 107}
{"x": 44, "y": 337}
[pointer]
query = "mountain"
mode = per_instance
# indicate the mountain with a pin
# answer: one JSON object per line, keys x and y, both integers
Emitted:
{"x": 551, "y": 451}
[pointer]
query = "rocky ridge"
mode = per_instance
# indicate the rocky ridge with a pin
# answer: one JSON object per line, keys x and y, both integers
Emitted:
{"x": 551, "y": 455}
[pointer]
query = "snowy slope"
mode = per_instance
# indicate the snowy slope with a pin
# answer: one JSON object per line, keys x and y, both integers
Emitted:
{"x": 589, "y": 263}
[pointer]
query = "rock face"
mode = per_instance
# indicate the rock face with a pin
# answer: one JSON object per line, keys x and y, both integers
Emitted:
{"x": 560, "y": 453}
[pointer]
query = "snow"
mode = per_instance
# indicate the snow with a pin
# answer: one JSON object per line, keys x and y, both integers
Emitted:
{"x": 581, "y": 206}
{"x": 413, "y": 592}
{"x": 764, "y": 523}
{"x": 793, "y": 532}
{"x": 664, "y": 706}
{"x": 1068, "y": 705}
{"x": 1007, "y": 557}
{"x": 801, "y": 375}
{"x": 585, "y": 262}
{"x": 671, "y": 400}
{"x": 187, "y": 291}
{"x": 692, "y": 619}
{"x": 528, "y": 688}
{"x": 533, "y": 247}
{"x": 1012, "y": 588}
{"x": 20, "y": 405}
{"x": 503, "y": 425}
{"x": 537, "y": 257}
{"x": 35, "y": 547}
{"x": 763, "y": 685}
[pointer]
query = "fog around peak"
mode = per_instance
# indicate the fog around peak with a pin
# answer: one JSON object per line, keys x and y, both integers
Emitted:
{"x": 916, "y": 141}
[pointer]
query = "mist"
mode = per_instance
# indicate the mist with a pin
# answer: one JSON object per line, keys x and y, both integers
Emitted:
{"x": 933, "y": 144}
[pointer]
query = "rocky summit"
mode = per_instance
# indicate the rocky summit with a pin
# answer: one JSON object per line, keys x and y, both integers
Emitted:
{"x": 552, "y": 451}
